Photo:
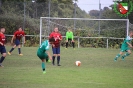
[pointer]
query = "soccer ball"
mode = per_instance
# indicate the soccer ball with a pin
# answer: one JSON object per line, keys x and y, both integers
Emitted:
{"x": 78, "y": 63}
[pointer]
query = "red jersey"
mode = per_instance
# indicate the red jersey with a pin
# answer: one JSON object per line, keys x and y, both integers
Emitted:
{"x": 56, "y": 36}
{"x": 2, "y": 38}
{"x": 19, "y": 34}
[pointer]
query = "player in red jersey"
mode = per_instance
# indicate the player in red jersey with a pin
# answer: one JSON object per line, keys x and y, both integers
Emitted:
{"x": 2, "y": 47}
{"x": 56, "y": 46}
{"x": 17, "y": 37}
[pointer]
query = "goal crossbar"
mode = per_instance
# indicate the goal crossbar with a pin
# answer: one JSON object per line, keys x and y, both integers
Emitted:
{"x": 55, "y": 18}
{"x": 81, "y": 19}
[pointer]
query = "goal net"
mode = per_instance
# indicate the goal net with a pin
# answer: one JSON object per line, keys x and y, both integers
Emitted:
{"x": 88, "y": 32}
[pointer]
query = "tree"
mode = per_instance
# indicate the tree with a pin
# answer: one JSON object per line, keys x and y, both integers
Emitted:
{"x": 94, "y": 13}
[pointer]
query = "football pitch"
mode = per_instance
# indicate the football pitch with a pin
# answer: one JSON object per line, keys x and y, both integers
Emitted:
{"x": 97, "y": 70}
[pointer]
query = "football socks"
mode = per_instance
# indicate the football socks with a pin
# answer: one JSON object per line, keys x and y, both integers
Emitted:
{"x": 66, "y": 44}
{"x": 127, "y": 54}
{"x": 58, "y": 60}
{"x": 47, "y": 59}
{"x": 11, "y": 50}
{"x": 117, "y": 56}
{"x": 73, "y": 44}
{"x": 43, "y": 66}
{"x": 53, "y": 60}
{"x": 19, "y": 50}
{"x": 2, "y": 59}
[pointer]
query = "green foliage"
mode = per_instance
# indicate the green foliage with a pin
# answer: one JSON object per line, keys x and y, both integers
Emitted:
{"x": 11, "y": 22}
{"x": 81, "y": 33}
{"x": 32, "y": 41}
{"x": 95, "y": 43}
{"x": 94, "y": 13}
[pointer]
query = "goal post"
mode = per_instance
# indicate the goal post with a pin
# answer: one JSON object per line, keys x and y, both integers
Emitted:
{"x": 40, "y": 31}
{"x": 68, "y": 22}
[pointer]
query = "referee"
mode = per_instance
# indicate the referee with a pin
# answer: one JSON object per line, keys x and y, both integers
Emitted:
{"x": 69, "y": 38}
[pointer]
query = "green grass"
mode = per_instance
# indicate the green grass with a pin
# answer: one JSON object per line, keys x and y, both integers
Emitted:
{"x": 97, "y": 70}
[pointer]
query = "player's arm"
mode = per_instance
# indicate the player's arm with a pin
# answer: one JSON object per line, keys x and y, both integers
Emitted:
{"x": 60, "y": 37}
{"x": 1, "y": 42}
{"x": 47, "y": 51}
{"x": 72, "y": 35}
{"x": 50, "y": 57}
{"x": 130, "y": 45}
{"x": 13, "y": 37}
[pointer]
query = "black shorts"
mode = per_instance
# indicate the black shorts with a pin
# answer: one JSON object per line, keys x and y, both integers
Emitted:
{"x": 69, "y": 39}
{"x": 17, "y": 42}
{"x": 2, "y": 49}
{"x": 56, "y": 50}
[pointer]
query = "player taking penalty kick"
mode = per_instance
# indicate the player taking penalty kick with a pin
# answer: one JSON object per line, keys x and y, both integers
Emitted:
{"x": 125, "y": 47}
{"x": 43, "y": 52}
{"x": 17, "y": 37}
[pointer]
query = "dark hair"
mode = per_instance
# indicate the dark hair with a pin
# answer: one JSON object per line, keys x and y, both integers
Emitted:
{"x": 51, "y": 39}
{"x": 1, "y": 28}
{"x": 19, "y": 27}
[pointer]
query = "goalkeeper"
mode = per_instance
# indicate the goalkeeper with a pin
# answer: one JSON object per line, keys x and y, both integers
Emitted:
{"x": 69, "y": 38}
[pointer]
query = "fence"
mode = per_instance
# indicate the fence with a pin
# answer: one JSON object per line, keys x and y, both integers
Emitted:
{"x": 31, "y": 40}
{"x": 98, "y": 42}
{"x": 93, "y": 42}
{"x": 102, "y": 42}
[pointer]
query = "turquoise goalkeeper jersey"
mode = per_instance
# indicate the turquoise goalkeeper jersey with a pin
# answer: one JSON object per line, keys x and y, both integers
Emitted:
{"x": 44, "y": 46}
{"x": 128, "y": 39}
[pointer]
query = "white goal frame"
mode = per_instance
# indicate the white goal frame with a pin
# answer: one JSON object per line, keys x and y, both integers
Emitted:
{"x": 127, "y": 20}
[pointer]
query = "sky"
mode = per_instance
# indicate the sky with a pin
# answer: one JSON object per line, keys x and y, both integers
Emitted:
{"x": 88, "y": 5}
